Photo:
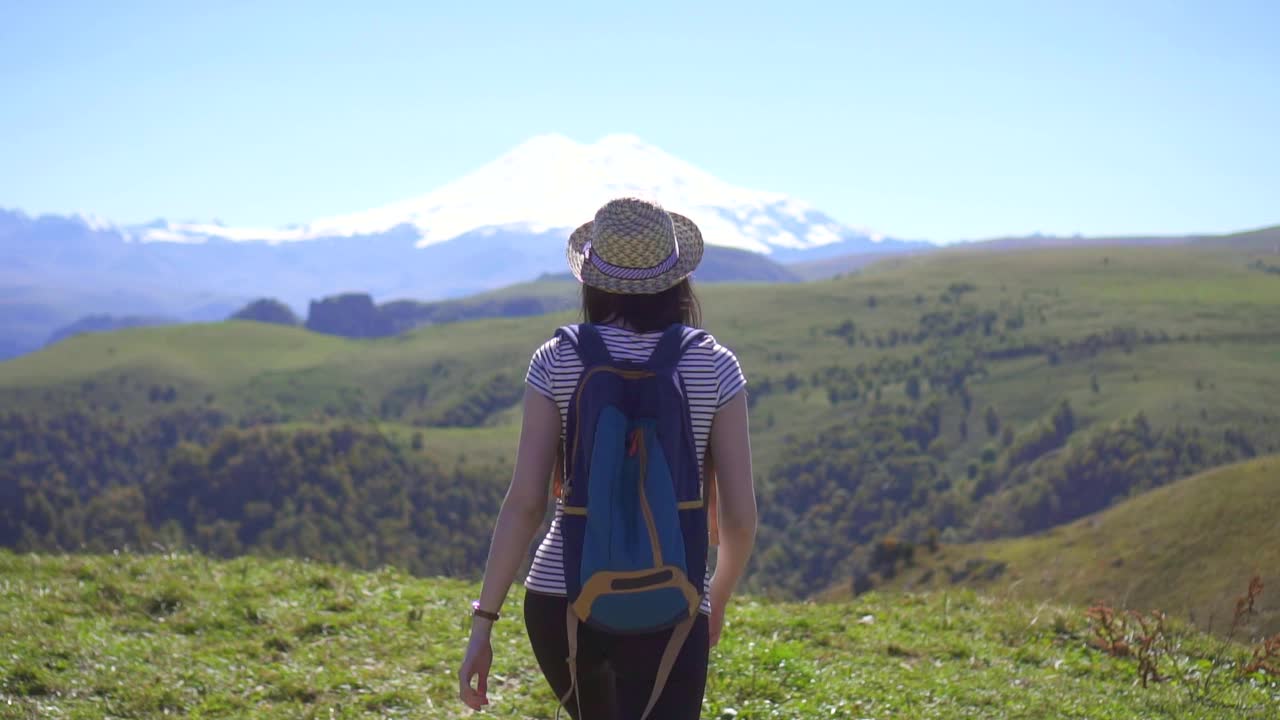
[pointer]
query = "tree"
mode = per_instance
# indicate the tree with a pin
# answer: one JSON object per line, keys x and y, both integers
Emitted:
{"x": 992, "y": 419}
{"x": 931, "y": 540}
{"x": 1064, "y": 420}
{"x": 353, "y": 315}
{"x": 860, "y": 583}
{"x": 267, "y": 310}
{"x": 913, "y": 388}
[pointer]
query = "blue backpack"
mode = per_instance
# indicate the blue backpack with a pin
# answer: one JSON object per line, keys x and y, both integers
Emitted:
{"x": 635, "y": 518}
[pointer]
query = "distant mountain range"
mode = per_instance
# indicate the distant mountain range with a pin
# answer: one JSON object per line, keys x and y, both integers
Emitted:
{"x": 501, "y": 224}
{"x": 551, "y": 184}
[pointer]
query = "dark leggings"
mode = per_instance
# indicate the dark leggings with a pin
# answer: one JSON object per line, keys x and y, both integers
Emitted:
{"x": 615, "y": 672}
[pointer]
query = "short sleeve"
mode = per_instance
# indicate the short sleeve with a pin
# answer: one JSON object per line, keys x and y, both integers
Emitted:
{"x": 541, "y": 365}
{"x": 730, "y": 379}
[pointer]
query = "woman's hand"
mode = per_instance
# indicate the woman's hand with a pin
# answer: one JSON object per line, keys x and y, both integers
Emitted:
{"x": 518, "y": 520}
{"x": 476, "y": 664}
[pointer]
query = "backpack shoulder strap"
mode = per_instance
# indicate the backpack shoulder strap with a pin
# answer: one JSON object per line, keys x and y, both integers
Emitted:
{"x": 678, "y": 635}
{"x": 674, "y": 343}
{"x": 586, "y": 341}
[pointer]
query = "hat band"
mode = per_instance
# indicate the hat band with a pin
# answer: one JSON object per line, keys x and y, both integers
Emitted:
{"x": 618, "y": 272}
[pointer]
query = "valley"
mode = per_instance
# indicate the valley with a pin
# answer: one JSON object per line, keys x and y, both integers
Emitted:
{"x": 963, "y": 395}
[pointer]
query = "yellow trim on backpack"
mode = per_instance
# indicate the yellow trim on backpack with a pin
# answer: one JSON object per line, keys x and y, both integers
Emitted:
{"x": 601, "y": 583}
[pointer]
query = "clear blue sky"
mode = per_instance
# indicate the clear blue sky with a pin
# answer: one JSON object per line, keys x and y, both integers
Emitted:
{"x": 940, "y": 120}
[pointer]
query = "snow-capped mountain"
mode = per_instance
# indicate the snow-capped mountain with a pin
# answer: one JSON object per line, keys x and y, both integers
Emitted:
{"x": 502, "y": 224}
{"x": 552, "y": 183}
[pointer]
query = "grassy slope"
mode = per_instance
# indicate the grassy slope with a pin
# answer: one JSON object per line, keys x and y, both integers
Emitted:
{"x": 1263, "y": 240}
{"x": 547, "y": 290}
{"x": 1188, "y": 548}
{"x": 129, "y": 636}
{"x": 776, "y": 330}
{"x": 1260, "y": 240}
{"x": 839, "y": 265}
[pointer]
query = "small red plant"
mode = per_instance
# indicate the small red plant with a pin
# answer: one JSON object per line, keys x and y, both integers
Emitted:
{"x": 1108, "y": 629}
{"x": 1148, "y": 645}
{"x": 1245, "y": 603}
{"x": 1266, "y": 658}
{"x": 1130, "y": 634}
{"x": 1144, "y": 637}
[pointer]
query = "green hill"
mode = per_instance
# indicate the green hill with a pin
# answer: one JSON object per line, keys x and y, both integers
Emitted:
{"x": 974, "y": 394}
{"x": 164, "y": 635}
{"x": 547, "y": 294}
{"x": 356, "y": 316}
{"x": 1202, "y": 314}
{"x": 1189, "y": 548}
{"x": 1260, "y": 240}
{"x": 1263, "y": 240}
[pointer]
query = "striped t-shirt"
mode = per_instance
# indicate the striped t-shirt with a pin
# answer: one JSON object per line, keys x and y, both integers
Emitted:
{"x": 711, "y": 376}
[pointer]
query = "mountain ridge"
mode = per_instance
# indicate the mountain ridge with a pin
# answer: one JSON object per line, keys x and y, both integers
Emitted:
{"x": 552, "y": 183}
{"x": 513, "y": 214}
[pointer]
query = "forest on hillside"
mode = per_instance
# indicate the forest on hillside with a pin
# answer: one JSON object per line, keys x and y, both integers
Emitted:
{"x": 343, "y": 494}
{"x": 941, "y": 409}
{"x": 349, "y": 494}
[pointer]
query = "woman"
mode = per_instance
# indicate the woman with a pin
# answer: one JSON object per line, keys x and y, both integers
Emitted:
{"x": 633, "y": 261}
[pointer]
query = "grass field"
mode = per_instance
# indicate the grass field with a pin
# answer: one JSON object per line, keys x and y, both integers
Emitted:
{"x": 1188, "y": 549}
{"x": 177, "y": 635}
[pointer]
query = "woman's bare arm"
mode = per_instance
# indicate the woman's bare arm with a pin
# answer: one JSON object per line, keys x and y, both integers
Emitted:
{"x": 526, "y": 501}
{"x": 735, "y": 496}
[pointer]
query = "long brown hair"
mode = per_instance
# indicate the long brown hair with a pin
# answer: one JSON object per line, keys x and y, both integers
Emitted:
{"x": 643, "y": 313}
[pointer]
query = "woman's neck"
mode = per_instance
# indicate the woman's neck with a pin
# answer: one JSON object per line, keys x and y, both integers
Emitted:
{"x": 618, "y": 323}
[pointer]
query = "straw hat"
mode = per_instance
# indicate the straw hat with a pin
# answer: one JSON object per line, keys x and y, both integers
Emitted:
{"x": 634, "y": 247}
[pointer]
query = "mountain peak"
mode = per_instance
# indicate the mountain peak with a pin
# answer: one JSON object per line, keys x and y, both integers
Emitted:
{"x": 619, "y": 141}
{"x": 549, "y": 143}
{"x": 551, "y": 182}
{"x": 556, "y": 142}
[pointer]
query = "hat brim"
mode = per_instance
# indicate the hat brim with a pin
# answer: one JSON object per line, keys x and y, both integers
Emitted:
{"x": 688, "y": 237}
